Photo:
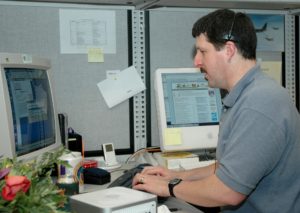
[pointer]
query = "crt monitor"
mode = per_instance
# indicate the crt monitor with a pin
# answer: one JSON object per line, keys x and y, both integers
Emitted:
{"x": 188, "y": 111}
{"x": 29, "y": 123}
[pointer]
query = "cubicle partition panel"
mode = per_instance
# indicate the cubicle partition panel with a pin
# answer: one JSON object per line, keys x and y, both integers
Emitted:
{"x": 85, "y": 41}
{"x": 70, "y": 35}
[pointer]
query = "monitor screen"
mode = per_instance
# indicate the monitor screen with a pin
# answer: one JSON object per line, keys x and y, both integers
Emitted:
{"x": 29, "y": 126}
{"x": 188, "y": 110}
{"x": 33, "y": 121}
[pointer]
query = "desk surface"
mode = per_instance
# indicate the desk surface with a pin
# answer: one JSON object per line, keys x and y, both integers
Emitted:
{"x": 171, "y": 202}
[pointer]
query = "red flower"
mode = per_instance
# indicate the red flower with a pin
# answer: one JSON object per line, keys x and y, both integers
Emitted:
{"x": 13, "y": 185}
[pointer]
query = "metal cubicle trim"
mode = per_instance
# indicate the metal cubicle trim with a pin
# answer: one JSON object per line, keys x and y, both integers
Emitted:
{"x": 297, "y": 56}
{"x": 138, "y": 59}
{"x": 290, "y": 62}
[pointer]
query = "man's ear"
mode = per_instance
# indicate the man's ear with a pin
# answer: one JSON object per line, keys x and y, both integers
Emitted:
{"x": 230, "y": 49}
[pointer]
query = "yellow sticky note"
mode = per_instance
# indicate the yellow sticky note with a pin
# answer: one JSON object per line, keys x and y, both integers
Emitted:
{"x": 95, "y": 55}
{"x": 172, "y": 136}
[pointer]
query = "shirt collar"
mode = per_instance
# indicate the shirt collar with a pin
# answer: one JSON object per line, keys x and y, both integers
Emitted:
{"x": 234, "y": 94}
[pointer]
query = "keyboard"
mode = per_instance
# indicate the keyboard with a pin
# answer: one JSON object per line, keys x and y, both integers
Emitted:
{"x": 126, "y": 179}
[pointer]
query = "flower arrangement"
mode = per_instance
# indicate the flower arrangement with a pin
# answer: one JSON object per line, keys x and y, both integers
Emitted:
{"x": 27, "y": 187}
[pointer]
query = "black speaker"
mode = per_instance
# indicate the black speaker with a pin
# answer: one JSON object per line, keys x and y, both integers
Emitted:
{"x": 63, "y": 127}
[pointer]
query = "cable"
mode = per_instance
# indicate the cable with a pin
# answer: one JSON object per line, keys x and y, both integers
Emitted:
{"x": 142, "y": 150}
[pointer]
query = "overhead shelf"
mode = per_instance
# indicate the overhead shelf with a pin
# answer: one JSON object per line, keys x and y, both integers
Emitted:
{"x": 149, "y": 4}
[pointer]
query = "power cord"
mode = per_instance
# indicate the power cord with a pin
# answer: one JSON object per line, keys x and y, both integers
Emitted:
{"x": 141, "y": 151}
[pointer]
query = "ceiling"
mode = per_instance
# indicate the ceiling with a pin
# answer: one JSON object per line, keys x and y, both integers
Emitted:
{"x": 149, "y": 4}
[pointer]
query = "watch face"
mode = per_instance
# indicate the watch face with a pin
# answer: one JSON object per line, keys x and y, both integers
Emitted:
{"x": 175, "y": 181}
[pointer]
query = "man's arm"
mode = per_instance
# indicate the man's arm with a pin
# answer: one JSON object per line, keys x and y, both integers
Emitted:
{"x": 209, "y": 192}
{"x": 200, "y": 186}
{"x": 193, "y": 174}
{"x": 198, "y": 173}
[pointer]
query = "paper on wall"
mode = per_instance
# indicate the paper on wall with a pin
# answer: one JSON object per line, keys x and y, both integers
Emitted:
{"x": 273, "y": 69}
{"x": 126, "y": 84}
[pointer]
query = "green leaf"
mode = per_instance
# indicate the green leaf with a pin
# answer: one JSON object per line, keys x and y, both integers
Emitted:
{"x": 43, "y": 195}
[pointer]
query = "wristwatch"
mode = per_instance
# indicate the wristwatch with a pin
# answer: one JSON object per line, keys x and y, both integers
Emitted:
{"x": 172, "y": 184}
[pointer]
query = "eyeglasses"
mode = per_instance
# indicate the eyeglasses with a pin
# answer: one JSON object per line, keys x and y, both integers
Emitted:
{"x": 229, "y": 36}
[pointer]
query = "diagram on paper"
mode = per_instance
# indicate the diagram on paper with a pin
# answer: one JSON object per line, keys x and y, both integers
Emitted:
{"x": 88, "y": 32}
{"x": 81, "y": 29}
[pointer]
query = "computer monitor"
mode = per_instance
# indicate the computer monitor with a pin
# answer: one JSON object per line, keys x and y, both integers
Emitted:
{"x": 188, "y": 110}
{"x": 29, "y": 123}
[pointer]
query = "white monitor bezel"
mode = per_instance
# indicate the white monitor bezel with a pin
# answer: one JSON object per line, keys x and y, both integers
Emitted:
{"x": 191, "y": 138}
{"x": 15, "y": 60}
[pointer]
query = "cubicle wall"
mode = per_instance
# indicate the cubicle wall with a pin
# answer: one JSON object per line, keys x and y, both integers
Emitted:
{"x": 35, "y": 29}
{"x": 147, "y": 39}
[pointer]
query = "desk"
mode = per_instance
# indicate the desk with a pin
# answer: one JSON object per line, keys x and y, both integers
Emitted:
{"x": 172, "y": 202}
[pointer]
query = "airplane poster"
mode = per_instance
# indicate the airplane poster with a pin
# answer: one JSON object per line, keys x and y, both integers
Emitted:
{"x": 269, "y": 31}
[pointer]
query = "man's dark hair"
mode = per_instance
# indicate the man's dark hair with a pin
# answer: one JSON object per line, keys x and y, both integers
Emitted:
{"x": 225, "y": 25}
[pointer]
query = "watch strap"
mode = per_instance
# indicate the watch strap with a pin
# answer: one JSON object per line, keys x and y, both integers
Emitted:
{"x": 172, "y": 185}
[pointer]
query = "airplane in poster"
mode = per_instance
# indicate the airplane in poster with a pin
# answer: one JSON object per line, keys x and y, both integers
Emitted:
{"x": 262, "y": 29}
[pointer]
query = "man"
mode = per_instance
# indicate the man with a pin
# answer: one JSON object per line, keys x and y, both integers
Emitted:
{"x": 258, "y": 152}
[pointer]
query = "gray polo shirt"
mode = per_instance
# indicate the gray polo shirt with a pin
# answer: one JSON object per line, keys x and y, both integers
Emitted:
{"x": 259, "y": 145}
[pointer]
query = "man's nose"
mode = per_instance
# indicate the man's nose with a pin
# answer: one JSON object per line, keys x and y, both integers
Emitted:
{"x": 197, "y": 61}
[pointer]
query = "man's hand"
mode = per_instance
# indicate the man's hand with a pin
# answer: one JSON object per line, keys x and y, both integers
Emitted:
{"x": 155, "y": 184}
